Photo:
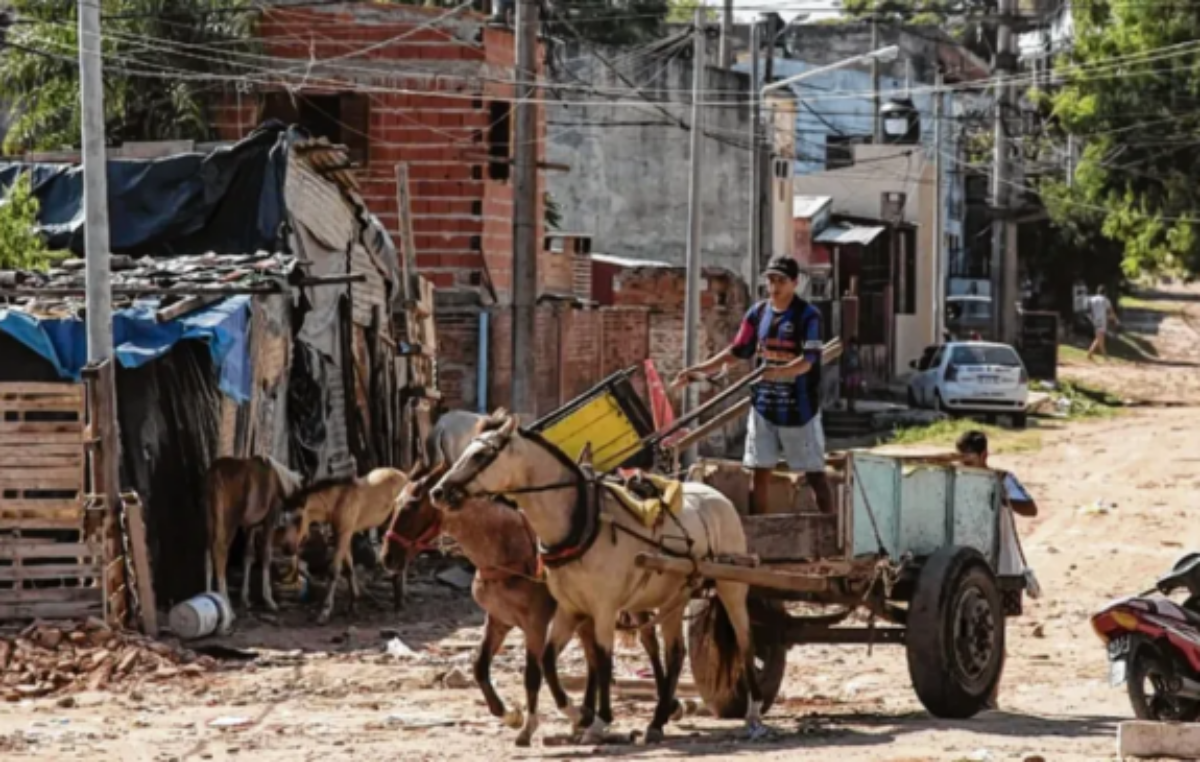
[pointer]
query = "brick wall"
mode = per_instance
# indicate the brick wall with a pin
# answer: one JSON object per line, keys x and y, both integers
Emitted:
{"x": 430, "y": 100}
{"x": 458, "y": 358}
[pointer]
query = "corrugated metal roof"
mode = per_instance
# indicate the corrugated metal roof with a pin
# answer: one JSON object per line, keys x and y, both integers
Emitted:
{"x": 845, "y": 235}
{"x": 806, "y": 207}
{"x": 608, "y": 259}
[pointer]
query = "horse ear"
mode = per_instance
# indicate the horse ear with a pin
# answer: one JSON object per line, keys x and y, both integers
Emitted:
{"x": 585, "y": 456}
{"x": 510, "y": 426}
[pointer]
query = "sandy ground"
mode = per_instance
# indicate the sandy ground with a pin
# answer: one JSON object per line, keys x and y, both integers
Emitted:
{"x": 333, "y": 694}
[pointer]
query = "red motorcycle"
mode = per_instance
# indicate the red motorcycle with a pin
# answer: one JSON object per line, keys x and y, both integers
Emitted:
{"x": 1154, "y": 645}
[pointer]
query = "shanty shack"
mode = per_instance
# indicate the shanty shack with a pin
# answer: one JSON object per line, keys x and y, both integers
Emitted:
{"x": 253, "y": 294}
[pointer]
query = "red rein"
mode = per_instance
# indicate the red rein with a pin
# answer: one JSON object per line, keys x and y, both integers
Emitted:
{"x": 424, "y": 542}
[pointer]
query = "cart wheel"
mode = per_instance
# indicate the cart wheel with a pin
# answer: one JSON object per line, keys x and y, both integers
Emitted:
{"x": 955, "y": 633}
{"x": 729, "y": 701}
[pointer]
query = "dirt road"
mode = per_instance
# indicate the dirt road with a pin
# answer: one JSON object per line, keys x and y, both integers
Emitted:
{"x": 352, "y": 701}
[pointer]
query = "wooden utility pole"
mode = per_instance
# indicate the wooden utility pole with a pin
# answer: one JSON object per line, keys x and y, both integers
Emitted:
{"x": 939, "y": 222}
{"x": 691, "y": 311}
{"x": 525, "y": 242}
{"x": 95, "y": 186}
{"x": 876, "y": 120}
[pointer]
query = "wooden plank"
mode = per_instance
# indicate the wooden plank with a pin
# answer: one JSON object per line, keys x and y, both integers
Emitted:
{"x": 52, "y": 595}
{"x": 408, "y": 249}
{"x": 791, "y": 536}
{"x": 12, "y": 388}
{"x": 50, "y": 571}
{"x": 144, "y": 582}
{"x": 31, "y": 548}
{"x": 35, "y": 459}
{"x": 60, "y": 430}
{"x": 50, "y": 611}
{"x": 756, "y": 576}
{"x": 47, "y": 522}
{"x": 41, "y": 506}
{"x": 39, "y": 448}
{"x": 30, "y": 438}
{"x": 42, "y": 403}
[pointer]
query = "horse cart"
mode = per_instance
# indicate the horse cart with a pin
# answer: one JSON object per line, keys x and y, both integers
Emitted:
{"x": 909, "y": 556}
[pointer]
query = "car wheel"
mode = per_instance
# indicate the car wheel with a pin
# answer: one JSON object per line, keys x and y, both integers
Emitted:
{"x": 938, "y": 405}
{"x": 912, "y": 399}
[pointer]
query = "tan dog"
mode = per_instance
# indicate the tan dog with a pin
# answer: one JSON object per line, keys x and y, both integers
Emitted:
{"x": 350, "y": 507}
{"x": 247, "y": 494}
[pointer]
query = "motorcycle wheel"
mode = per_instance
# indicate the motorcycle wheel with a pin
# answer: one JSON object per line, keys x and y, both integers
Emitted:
{"x": 1147, "y": 670}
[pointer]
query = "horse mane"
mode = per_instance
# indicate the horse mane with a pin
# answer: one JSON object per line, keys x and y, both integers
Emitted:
{"x": 290, "y": 482}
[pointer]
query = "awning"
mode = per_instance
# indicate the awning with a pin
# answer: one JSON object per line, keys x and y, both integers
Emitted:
{"x": 846, "y": 235}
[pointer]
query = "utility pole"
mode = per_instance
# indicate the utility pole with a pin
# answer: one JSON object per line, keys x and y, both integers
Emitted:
{"x": 939, "y": 223}
{"x": 766, "y": 241}
{"x": 524, "y": 294}
{"x": 1003, "y": 284}
{"x": 726, "y": 52}
{"x": 95, "y": 187}
{"x": 691, "y": 311}
{"x": 878, "y": 108}
{"x": 754, "y": 260}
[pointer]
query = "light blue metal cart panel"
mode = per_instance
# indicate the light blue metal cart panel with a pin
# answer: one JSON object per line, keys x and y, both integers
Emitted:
{"x": 919, "y": 508}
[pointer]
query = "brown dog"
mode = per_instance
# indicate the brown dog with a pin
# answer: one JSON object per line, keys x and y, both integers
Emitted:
{"x": 248, "y": 494}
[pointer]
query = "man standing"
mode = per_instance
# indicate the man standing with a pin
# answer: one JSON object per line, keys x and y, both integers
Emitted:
{"x": 784, "y": 333}
{"x": 973, "y": 449}
{"x": 1101, "y": 310}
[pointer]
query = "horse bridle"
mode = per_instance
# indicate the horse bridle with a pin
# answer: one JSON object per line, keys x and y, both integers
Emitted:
{"x": 492, "y": 451}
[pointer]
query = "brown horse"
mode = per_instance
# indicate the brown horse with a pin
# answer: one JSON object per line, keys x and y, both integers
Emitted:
{"x": 499, "y": 542}
{"x": 351, "y": 506}
{"x": 249, "y": 494}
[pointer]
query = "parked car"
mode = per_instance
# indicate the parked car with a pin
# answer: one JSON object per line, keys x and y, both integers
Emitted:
{"x": 971, "y": 377}
{"x": 967, "y": 314}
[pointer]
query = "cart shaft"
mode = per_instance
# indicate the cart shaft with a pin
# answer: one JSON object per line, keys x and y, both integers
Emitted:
{"x": 758, "y": 577}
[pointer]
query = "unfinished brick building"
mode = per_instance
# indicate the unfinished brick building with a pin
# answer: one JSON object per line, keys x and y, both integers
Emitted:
{"x": 413, "y": 85}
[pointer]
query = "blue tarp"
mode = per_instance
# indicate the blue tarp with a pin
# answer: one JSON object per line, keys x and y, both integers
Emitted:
{"x": 230, "y": 200}
{"x": 139, "y": 338}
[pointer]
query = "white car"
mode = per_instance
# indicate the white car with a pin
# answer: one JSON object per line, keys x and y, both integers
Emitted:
{"x": 971, "y": 377}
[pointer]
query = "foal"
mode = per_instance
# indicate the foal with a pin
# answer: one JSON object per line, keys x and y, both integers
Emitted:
{"x": 249, "y": 494}
{"x": 351, "y": 507}
{"x": 499, "y": 542}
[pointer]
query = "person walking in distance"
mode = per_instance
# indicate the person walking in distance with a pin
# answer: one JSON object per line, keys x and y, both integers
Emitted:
{"x": 1101, "y": 310}
{"x": 783, "y": 333}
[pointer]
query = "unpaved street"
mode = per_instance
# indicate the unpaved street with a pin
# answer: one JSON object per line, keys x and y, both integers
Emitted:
{"x": 351, "y": 701}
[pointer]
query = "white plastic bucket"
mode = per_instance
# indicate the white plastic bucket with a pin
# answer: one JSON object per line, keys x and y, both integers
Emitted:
{"x": 201, "y": 615}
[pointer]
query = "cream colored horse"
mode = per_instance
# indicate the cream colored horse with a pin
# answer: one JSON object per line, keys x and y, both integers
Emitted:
{"x": 589, "y": 547}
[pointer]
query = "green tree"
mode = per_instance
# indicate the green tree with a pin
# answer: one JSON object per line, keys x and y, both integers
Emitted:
{"x": 1138, "y": 121}
{"x": 151, "y": 48}
{"x": 21, "y": 248}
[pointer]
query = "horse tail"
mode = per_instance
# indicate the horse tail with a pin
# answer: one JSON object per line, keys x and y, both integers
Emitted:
{"x": 724, "y": 639}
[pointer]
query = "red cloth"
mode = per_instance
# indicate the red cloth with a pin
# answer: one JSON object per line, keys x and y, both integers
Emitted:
{"x": 660, "y": 403}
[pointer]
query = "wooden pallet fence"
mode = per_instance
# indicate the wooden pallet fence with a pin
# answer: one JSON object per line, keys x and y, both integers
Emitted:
{"x": 48, "y": 567}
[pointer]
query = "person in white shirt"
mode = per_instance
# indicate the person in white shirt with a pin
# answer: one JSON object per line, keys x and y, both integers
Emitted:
{"x": 973, "y": 448}
{"x": 1101, "y": 310}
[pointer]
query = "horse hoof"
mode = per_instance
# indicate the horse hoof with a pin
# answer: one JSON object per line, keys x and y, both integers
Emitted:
{"x": 525, "y": 737}
{"x": 595, "y": 734}
{"x": 679, "y": 712}
{"x": 513, "y": 719}
{"x": 271, "y": 606}
{"x": 324, "y": 618}
{"x": 653, "y": 735}
{"x": 575, "y": 715}
{"x": 756, "y": 731}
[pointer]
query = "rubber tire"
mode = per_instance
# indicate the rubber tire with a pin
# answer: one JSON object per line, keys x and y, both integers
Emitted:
{"x": 1143, "y": 656}
{"x": 724, "y": 701}
{"x": 912, "y": 399}
{"x": 1020, "y": 421}
{"x": 938, "y": 683}
{"x": 938, "y": 406}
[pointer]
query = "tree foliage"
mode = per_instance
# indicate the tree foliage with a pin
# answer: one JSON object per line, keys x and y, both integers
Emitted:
{"x": 159, "y": 56}
{"x": 21, "y": 248}
{"x": 1138, "y": 122}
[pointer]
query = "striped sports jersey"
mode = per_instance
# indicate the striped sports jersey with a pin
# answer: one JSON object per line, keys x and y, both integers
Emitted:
{"x": 776, "y": 338}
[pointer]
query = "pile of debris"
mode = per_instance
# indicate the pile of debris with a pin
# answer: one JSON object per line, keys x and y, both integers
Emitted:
{"x": 44, "y": 660}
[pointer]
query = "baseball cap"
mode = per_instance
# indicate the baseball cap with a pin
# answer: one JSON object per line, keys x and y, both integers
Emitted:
{"x": 783, "y": 265}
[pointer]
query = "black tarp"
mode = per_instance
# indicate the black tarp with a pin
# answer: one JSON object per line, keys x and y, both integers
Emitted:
{"x": 229, "y": 200}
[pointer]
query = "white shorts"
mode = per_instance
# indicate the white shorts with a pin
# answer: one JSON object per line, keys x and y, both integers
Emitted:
{"x": 802, "y": 447}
